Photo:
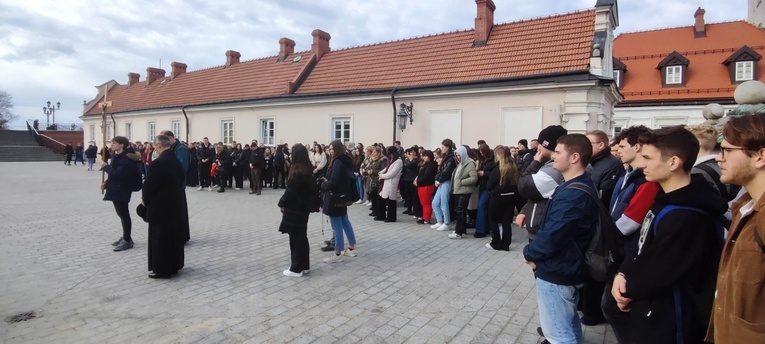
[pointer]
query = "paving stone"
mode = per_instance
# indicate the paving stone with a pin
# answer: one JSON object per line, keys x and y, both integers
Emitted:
{"x": 409, "y": 284}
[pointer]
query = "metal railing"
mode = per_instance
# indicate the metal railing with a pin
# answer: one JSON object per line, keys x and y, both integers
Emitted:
{"x": 65, "y": 127}
{"x": 45, "y": 141}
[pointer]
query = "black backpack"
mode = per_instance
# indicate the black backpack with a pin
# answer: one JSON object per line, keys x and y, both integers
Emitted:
{"x": 135, "y": 179}
{"x": 604, "y": 253}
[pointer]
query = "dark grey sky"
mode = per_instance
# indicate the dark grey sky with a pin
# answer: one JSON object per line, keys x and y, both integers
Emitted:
{"x": 59, "y": 50}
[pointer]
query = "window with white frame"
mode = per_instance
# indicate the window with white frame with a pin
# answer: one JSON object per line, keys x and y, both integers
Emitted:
{"x": 674, "y": 75}
{"x": 341, "y": 129}
{"x": 227, "y": 131}
{"x": 176, "y": 129}
{"x": 92, "y": 132}
{"x": 744, "y": 70}
{"x": 617, "y": 78}
{"x": 109, "y": 131}
{"x": 129, "y": 131}
{"x": 152, "y": 131}
{"x": 267, "y": 131}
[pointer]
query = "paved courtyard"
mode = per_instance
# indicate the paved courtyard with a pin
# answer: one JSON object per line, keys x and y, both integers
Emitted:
{"x": 409, "y": 284}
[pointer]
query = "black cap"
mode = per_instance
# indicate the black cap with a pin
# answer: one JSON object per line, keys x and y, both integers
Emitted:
{"x": 524, "y": 142}
{"x": 549, "y": 136}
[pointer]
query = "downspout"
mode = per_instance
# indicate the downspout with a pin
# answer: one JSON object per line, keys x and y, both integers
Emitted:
{"x": 393, "y": 101}
{"x": 183, "y": 109}
{"x": 114, "y": 123}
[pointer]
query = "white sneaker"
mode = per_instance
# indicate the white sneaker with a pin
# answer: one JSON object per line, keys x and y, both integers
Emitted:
{"x": 334, "y": 258}
{"x": 289, "y": 273}
{"x": 438, "y": 224}
{"x": 216, "y": 186}
{"x": 359, "y": 202}
{"x": 350, "y": 253}
{"x": 238, "y": 189}
{"x": 209, "y": 188}
{"x": 488, "y": 245}
{"x": 454, "y": 235}
{"x": 199, "y": 188}
{"x": 443, "y": 228}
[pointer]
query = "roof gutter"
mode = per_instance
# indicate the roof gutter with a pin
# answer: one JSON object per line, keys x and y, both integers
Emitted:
{"x": 114, "y": 123}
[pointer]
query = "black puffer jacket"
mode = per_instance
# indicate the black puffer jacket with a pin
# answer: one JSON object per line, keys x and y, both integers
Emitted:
{"x": 445, "y": 171}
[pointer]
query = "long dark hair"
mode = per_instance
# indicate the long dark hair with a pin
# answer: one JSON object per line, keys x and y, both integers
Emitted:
{"x": 300, "y": 164}
{"x": 338, "y": 149}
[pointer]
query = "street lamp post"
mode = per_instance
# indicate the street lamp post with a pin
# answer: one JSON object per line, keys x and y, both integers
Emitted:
{"x": 49, "y": 111}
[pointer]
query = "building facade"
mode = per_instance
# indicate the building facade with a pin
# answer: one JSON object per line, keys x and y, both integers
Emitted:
{"x": 756, "y": 13}
{"x": 667, "y": 76}
{"x": 496, "y": 82}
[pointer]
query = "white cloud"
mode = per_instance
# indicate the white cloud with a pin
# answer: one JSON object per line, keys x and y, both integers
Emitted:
{"x": 58, "y": 50}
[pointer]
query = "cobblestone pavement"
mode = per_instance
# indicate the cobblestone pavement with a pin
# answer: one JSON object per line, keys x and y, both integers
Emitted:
{"x": 409, "y": 284}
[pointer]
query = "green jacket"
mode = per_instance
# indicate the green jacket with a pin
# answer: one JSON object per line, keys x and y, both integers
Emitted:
{"x": 465, "y": 182}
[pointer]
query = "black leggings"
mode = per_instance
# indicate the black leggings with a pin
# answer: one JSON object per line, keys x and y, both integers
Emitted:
{"x": 124, "y": 214}
{"x": 501, "y": 211}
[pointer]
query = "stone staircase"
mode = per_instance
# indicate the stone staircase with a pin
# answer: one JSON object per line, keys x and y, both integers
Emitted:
{"x": 19, "y": 146}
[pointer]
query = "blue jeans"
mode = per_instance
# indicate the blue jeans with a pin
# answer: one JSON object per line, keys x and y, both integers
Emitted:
{"x": 482, "y": 217}
{"x": 339, "y": 225}
{"x": 441, "y": 203}
{"x": 360, "y": 186}
{"x": 91, "y": 161}
{"x": 557, "y": 312}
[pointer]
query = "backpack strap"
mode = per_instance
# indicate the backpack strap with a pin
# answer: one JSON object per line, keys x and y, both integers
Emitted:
{"x": 758, "y": 239}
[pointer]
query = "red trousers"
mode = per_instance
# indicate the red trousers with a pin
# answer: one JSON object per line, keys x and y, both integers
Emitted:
{"x": 426, "y": 200}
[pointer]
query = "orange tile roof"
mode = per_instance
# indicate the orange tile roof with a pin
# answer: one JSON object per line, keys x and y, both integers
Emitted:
{"x": 707, "y": 77}
{"x": 546, "y": 45}
{"x": 559, "y": 43}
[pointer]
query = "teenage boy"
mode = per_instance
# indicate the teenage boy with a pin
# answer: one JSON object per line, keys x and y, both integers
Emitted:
{"x": 630, "y": 202}
{"x": 556, "y": 254}
{"x": 738, "y": 315}
{"x": 668, "y": 287}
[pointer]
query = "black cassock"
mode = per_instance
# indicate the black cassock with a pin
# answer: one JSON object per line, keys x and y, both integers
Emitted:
{"x": 164, "y": 196}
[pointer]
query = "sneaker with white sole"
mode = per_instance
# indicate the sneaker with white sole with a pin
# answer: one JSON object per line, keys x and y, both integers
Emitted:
{"x": 209, "y": 188}
{"x": 289, "y": 273}
{"x": 334, "y": 258}
{"x": 437, "y": 225}
{"x": 443, "y": 228}
{"x": 350, "y": 253}
{"x": 238, "y": 189}
{"x": 454, "y": 235}
{"x": 488, "y": 245}
{"x": 200, "y": 188}
{"x": 305, "y": 272}
{"x": 359, "y": 202}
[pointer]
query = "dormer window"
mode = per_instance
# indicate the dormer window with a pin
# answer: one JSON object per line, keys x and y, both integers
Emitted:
{"x": 744, "y": 71}
{"x": 674, "y": 70}
{"x": 742, "y": 65}
{"x": 619, "y": 69}
{"x": 674, "y": 75}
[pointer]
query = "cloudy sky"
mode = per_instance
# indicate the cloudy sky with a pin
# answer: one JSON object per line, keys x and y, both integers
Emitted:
{"x": 60, "y": 50}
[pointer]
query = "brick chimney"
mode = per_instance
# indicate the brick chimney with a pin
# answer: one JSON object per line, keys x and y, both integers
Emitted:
{"x": 133, "y": 78}
{"x": 286, "y": 47}
{"x": 154, "y": 74}
{"x": 700, "y": 29}
{"x": 232, "y": 57}
{"x": 484, "y": 22}
{"x": 320, "y": 44}
{"x": 177, "y": 69}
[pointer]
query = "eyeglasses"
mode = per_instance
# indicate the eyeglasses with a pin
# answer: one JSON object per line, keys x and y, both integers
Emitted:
{"x": 730, "y": 149}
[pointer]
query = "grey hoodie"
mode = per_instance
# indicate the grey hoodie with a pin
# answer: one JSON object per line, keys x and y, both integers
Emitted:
{"x": 537, "y": 184}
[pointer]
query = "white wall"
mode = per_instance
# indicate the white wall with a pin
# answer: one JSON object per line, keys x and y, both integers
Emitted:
{"x": 655, "y": 117}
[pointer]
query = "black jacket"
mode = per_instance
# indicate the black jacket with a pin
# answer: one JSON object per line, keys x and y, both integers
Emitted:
{"x": 410, "y": 169}
{"x": 206, "y": 153}
{"x": 91, "y": 152}
{"x": 256, "y": 158}
{"x": 279, "y": 159}
{"x": 606, "y": 170}
{"x": 524, "y": 159}
{"x": 683, "y": 255}
{"x": 162, "y": 190}
{"x": 339, "y": 179}
{"x": 122, "y": 167}
{"x": 493, "y": 187}
{"x": 445, "y": 171}
{"x": 224, "y": 159}
{"x": 427, "y": 174}
{"x": 296, "y": 205}
{"x": 487, "y": 167}
{"x": 68, "y": 150}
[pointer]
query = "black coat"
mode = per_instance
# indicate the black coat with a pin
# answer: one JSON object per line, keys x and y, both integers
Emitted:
{"x": 91, "y": 152}
{"x": 427, "y": 174}
{"x": 339, "y": 180}
{"x": 487, "y": 167}
{"x": 296, "y": 204}
{"x": 606, "y": 171}
{"x": 279, "y": 159}
{"x": 205, "y": 153}
{"x": 68, "y": 150}
{"x": 410, "y": 170}
{"x": 121, "y": 168}
{"x": 164, "y": 196}
{"x": 256, "y": 158}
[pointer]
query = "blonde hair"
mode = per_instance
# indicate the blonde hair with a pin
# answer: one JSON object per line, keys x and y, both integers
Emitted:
{"x": 706, "y": 134}
{"x": 508, "y": 172}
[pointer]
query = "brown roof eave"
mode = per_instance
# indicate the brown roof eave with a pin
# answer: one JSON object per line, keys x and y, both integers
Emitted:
{"x": 676, "y": 102}
{"x": 568, "y": 76}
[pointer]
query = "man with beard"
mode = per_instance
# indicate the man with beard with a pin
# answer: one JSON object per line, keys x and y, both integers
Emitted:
{"x": 162, "y": 207}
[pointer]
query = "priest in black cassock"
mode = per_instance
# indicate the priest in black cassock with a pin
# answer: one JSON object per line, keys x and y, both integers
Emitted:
{"x": 161, "y": 206}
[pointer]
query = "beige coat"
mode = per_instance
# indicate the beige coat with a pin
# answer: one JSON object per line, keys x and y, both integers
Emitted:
{"x": 391, "y": 177}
